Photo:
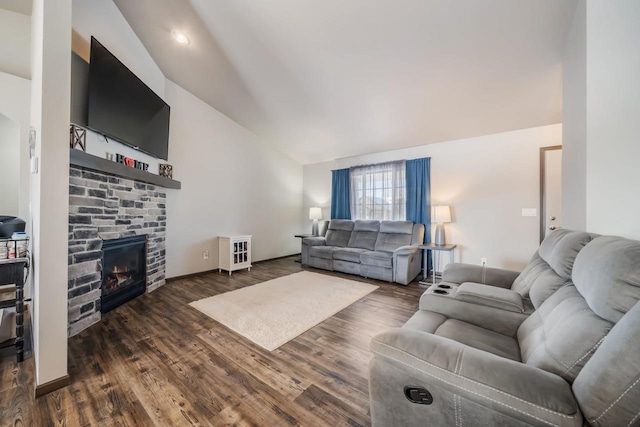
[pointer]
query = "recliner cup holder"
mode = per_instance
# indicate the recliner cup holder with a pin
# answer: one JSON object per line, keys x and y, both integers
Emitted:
{"x": 440, "y": 291}
{"x": 444, "y": 286}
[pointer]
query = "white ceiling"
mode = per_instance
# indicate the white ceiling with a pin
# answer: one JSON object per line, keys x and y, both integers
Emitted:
{"x": 325, "y": 79}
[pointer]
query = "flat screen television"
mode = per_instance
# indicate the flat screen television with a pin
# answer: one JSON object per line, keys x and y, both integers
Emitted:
{"x": 122, "y": 107}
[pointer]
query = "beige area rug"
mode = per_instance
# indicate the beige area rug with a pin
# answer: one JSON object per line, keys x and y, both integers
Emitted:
{"x": 274, "y": 312}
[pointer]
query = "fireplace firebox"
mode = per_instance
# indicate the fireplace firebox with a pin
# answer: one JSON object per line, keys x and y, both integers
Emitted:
{"x": 124, "y": 270}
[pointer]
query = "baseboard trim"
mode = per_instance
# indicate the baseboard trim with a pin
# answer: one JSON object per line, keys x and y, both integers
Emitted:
{"x": 53, "y": 385}
{"x": 215, "y": 270}
{"x": 276, "y": 258}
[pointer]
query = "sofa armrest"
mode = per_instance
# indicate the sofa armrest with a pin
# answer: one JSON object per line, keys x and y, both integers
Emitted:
{"x": 308, "y": 242}
{"x": 491, "y": 296}
{"x": 465, "y": 383}
{"x": 314, "y": 241}
{"x": 405, "y": 250}
{"x": 460, "y": 273}
{"x": 406, "y": 264}
{"x": 505, "y": 322}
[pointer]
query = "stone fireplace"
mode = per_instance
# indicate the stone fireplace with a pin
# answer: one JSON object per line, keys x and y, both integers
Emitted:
{"x": 103, "y": 207}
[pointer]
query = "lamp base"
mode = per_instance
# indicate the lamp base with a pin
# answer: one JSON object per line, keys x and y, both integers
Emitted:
{"x": 314, "y": 228}
{"x": 439, "y": 239}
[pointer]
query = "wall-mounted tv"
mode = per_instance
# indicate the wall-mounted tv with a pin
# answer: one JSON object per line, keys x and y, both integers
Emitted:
{"x": 122, "y": 107}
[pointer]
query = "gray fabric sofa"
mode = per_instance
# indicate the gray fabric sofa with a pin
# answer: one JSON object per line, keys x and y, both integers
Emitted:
{"x": 384, "y": 250}
{"x": 573, "y": 360}
{"x": 479, "y": 292}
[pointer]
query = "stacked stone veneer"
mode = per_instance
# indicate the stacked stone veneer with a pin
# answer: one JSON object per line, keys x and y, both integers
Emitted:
{"x": 102, "y": 207}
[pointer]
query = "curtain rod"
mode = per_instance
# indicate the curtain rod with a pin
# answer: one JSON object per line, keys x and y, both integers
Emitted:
{"x": 381, "y": 163}
{"x": 370, "y": 164}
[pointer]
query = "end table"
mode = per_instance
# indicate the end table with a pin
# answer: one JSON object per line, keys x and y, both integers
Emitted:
{"x": 436, "y": 250}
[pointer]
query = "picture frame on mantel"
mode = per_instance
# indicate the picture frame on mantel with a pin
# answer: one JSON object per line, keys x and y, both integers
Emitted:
{"x": 165, "y": 170}
{"x": 77, "y": 137}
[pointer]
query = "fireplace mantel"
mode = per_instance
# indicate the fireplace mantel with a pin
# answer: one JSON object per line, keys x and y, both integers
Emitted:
{"x": 84, "y": 160}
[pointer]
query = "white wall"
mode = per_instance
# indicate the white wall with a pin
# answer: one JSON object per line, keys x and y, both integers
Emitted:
{"x": 486, "y": 180}
{"x": 15, "y": 104}
{"x": 9, "y": 166}
{"x": 15, "y": 43}
{"x": 613, "y": 125}
{"x": 232, "y": 184}
{"x": 103, "y": 20}
{"x": 574, "y": 129}
{"x": 50, "y": 104}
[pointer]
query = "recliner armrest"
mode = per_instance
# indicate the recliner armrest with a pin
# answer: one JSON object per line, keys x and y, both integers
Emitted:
{"x": 405, "y": 250}
{"x": 491, "y": 296}
{"x": 452, "y": 370}
{"x": 505, "y": 322}
{"x": 314, "y": 241}
{"x": 460, "y": 273}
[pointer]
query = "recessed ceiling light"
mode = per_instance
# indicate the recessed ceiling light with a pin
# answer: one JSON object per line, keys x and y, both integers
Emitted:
{"x": 180, "y": 37}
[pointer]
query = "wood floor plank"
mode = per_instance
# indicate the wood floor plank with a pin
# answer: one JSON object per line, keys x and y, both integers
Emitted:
{"x": 156, "y": 361}
{"x": 258, "y": 361}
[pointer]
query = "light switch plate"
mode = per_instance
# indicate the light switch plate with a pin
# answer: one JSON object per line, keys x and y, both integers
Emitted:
{"x": 529, "y": 212}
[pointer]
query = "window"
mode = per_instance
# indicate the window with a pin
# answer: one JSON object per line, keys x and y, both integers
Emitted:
{"x": 378, "y": 191}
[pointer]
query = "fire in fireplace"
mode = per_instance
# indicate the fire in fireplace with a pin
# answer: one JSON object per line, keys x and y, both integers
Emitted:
{"x": 124, "y": 270}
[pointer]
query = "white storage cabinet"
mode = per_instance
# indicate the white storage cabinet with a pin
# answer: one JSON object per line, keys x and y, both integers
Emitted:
{"x": 234, "y": 253}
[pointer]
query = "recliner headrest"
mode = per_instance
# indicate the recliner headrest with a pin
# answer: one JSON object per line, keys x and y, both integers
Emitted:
{"x": 396, "y": 227}
{"x": 341, "y": 224}
{"x": 560, "y": 248}
{"x": 367, "y": 225}
{"x": 607, "y": 274}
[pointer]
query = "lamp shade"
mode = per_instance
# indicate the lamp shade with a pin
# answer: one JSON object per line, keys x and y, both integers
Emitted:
{"x": 315, "y": 213}
{"x": 441, "y": 214}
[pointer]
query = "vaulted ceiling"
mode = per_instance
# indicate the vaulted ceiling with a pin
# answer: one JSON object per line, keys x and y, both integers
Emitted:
{"x": 324, "y": 79}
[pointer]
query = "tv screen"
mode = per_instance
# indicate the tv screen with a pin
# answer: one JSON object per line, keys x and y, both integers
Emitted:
{"x": 122, "y": 107}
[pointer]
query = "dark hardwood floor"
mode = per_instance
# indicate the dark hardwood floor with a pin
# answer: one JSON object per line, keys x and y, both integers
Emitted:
{"x": 158, "y": 362}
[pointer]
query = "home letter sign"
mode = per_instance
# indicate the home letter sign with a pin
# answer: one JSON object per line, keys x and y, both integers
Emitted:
{"x": 128, "y": 161}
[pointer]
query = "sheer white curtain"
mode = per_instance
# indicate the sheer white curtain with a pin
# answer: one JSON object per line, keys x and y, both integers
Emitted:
{"x": 378, "y": 191}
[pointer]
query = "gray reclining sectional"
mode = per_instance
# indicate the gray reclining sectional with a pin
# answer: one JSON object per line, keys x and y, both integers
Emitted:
{"x": 556, "y": 345}
{"x": 384, "y": 250}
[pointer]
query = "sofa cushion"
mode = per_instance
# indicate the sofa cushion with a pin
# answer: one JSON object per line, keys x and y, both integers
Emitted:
{"x": 325, "y": 252}
{"x": 394, "y": 234}
{"x": 348, "y": 254}
{"x": 560, "y": 248}
{"x": 396, "y": 227}
{"x": 465, "y": 333}
{"x": 377, "y": 259}
{"x": 562, "y": 334}
{"x": 480, "y": 338}
{"x": 550, "y": 267}
{"x": 339, "y": 232}
{"x": 425, "y": 321}
{"x": 607, "y": 274}
{"x": 364, "y": 234}
{"x": 491, "y": 296}
{"x": 608, "y": 387}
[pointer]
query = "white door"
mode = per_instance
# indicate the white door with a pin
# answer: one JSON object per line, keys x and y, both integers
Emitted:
{"x": 551, "y": 211}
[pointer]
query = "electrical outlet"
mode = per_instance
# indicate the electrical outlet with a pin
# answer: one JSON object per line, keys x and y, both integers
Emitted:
{"x": 205, "y": 254}
{"x": 483, "y": 261}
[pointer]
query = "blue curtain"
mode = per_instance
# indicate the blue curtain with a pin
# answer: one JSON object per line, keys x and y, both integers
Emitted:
{"x": 340, "y": 188}
{"x": 418, "y": 177}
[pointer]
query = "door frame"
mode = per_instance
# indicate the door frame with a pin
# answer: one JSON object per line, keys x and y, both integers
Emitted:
{"x": 543, "y": 187}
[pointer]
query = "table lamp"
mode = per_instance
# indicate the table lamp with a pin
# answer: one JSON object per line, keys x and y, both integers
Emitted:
{"x": 315, "y": 214}
{"x": 441, "y": 214}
